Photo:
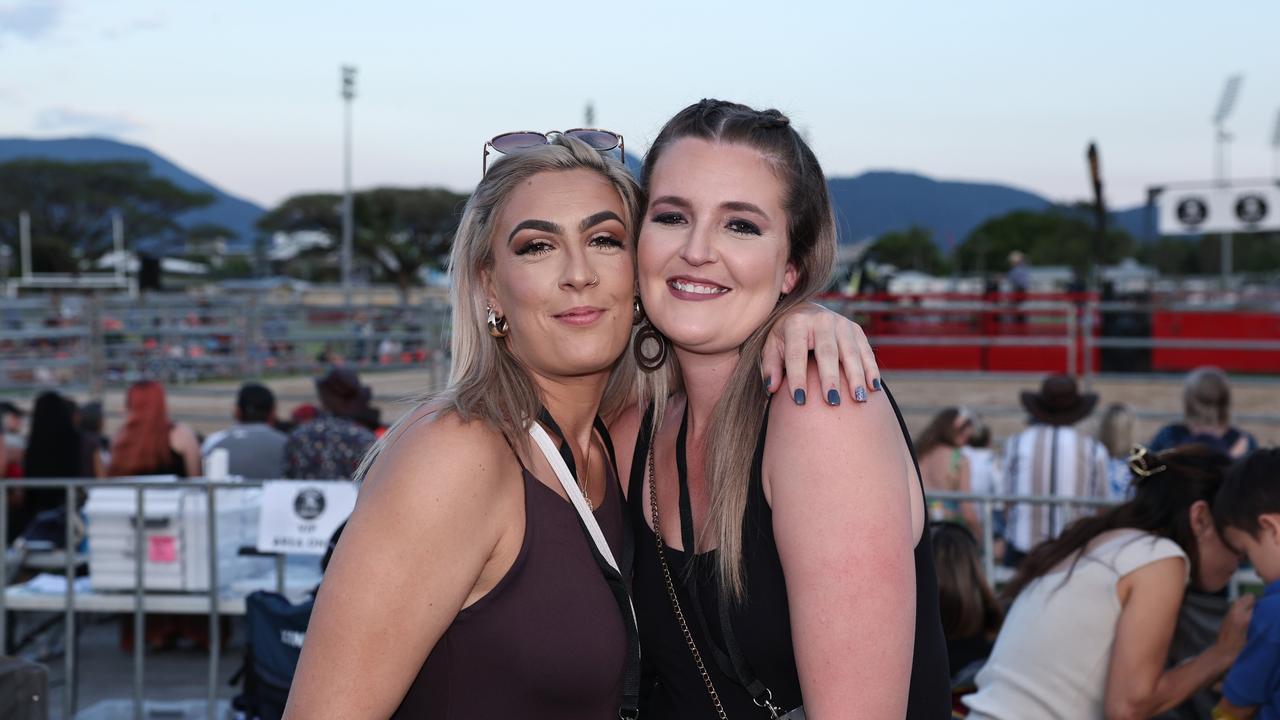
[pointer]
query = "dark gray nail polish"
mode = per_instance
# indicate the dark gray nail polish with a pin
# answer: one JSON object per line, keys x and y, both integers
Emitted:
{"x": 833, "y": 397}
{"x": 860, "y": 394}
{"x": 799, "y": 396}
{"x": 875, "y": 383}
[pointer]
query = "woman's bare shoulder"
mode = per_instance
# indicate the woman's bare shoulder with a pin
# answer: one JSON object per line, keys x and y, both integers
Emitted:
{"x": 436, "y": 451}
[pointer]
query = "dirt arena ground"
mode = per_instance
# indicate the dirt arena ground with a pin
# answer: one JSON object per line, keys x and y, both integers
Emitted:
{"x": 1157, "y": 399}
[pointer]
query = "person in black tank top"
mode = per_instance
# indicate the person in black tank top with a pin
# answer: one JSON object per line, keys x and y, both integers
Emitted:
{"x": 459, "y": 588}
{"x": 466, "y": 584}
{"x": 776, "y": 567}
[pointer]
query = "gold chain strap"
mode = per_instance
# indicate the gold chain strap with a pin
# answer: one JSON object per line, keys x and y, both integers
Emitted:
{"x": 671, "y": 592}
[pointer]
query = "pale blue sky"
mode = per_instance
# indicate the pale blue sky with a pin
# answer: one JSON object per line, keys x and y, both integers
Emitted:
{"x": 245, "y": 92}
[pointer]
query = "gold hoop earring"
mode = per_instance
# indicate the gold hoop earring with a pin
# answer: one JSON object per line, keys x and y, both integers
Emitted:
{"x": 498, "y": 326}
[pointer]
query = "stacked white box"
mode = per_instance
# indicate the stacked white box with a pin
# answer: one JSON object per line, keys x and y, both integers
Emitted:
{"x": 175, "y": 540}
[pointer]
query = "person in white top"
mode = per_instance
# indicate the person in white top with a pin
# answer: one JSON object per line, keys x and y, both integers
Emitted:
{"x": 1094, "y": 611}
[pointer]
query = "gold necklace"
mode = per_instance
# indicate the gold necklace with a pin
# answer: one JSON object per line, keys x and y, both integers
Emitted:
{"x": 671, "y": 592}
{"x": 586, "y": 477}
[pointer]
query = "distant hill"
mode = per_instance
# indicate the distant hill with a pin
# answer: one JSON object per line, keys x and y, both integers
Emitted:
{"x": 878, "y": 202}
{"x": 229, "y": 211}
{"x": 867, "y": 205}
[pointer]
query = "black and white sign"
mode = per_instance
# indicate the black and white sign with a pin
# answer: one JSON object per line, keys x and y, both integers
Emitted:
{"x": 298, "y": 517}
{"x": 1251, "y": 209}
{"x": 1219, "y": 209}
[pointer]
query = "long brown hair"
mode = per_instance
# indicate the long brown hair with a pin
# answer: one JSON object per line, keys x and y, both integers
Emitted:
{"x": 811, "y": 235}
{"x": 142, "y": 444}
{"x": 943, "y": 429}
{"x": 1161, "y": 505}
{"x": 965, "y": 599}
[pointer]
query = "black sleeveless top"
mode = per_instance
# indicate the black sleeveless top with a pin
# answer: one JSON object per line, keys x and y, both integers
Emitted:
{"x": 547, "y": 641}
{"x": 672, "y": 686}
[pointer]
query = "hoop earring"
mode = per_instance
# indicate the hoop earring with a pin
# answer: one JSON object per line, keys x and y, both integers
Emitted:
{"x": 650, "y": 348}
{"x": 498, "y": 326}
{"x": 637, "y": 312}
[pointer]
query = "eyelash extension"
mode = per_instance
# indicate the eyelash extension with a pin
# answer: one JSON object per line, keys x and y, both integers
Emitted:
{"x": 534, "y": 247}
{"x": 742, "y": 227}
{"x": 668, "y": 218}
{"x": 607, "y": 241}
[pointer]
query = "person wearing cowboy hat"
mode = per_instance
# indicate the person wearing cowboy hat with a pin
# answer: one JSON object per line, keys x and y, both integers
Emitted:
{"x": 1051, "y": 458}
{"x": 331, "y": 446}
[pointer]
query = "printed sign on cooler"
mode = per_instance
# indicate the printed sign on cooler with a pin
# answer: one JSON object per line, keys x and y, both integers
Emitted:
{"x": 298, "y": 517}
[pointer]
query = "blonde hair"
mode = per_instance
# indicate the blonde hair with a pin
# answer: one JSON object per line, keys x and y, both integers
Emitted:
{"x": 811, "y": 236}
{"x": 486, "y": 380}
{"x": 1206, "y": 397}
{"x": 1115, "y": 430}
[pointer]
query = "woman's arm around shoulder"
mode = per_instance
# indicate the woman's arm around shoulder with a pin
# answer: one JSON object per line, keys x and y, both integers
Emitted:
{"x": 430, "y": 514}
{"x": 839, "y": 483}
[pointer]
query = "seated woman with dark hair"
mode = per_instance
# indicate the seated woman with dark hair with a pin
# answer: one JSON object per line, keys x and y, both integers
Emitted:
{"x": 1094, "y": 611}
{"x": 971, "y": 616}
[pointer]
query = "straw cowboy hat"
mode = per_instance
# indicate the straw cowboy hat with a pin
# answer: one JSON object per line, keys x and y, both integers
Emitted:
{"x": 1059, "y": 401}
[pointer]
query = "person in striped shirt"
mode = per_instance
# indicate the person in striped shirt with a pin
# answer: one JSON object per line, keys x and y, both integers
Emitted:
{"x": 1051, "y": 458}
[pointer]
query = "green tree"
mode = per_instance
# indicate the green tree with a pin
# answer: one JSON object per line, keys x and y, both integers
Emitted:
{"x": 913, "y": 249}
{"x": 398, "y": 231}
{"x": 71, "y": 205}
{"x": 1172, "y": 255}
{"x": 1055, "y": 236}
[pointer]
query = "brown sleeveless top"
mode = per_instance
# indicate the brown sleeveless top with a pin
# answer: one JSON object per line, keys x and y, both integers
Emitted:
{"x": 547, "y": 641}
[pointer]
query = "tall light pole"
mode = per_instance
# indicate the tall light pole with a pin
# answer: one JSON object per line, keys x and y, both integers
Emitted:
{"x": 348, "y": 94}
{"x": 1226, "y": 104}
{"x": 1275, "y": 149}
{"x": 1099, "y": 217}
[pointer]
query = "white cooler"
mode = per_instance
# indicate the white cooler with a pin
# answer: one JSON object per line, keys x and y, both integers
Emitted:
{"x": 175, "y": 538}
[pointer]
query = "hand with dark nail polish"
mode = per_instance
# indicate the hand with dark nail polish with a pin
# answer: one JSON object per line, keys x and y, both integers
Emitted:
{"x": 799, "y": 396}
{"x": 860, "y": 394}
{"x": 833, "y": 397}
{"x": 875, "y": 383}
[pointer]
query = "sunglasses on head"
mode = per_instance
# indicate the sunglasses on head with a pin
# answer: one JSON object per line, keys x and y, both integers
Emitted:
{"x": 602, "y": 140}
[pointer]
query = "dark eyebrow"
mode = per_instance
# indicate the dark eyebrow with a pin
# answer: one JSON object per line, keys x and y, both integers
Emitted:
{"x": 732, "y": 205}
{"x": 671, "y": 200}
{"x": 739, "y": 206}
{"x": 597, "y": 219}
{"x": 543, "y": 225}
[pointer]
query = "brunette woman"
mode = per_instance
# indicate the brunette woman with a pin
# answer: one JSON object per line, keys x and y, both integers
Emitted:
{"x": 782, "y": 557}
{"x": 1095, "y": 609}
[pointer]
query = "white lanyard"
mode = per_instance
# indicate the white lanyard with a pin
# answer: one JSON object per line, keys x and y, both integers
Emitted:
{"x": 572, "y": 490}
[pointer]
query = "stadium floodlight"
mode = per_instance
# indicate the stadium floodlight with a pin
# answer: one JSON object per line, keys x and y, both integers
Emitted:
{"x": 348, "y": 230}
{"x": 1226, "y": 103}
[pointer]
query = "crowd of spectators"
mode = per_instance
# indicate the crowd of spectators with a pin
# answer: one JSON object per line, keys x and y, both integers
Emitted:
{"x": 57, "y": 438}
{"x": 1130, "y": 597}
{"x": 1117, "y": 611}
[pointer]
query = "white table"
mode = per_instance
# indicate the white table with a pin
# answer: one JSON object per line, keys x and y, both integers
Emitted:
{"x": 230, "y": 602}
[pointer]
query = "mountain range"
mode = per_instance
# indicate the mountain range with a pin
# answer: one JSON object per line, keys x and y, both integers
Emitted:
{"x": 867, "y": 205}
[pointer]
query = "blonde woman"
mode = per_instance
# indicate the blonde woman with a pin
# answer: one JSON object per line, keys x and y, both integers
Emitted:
{"x": 1115, "y": 432}
{"x": 464, "y": 585}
